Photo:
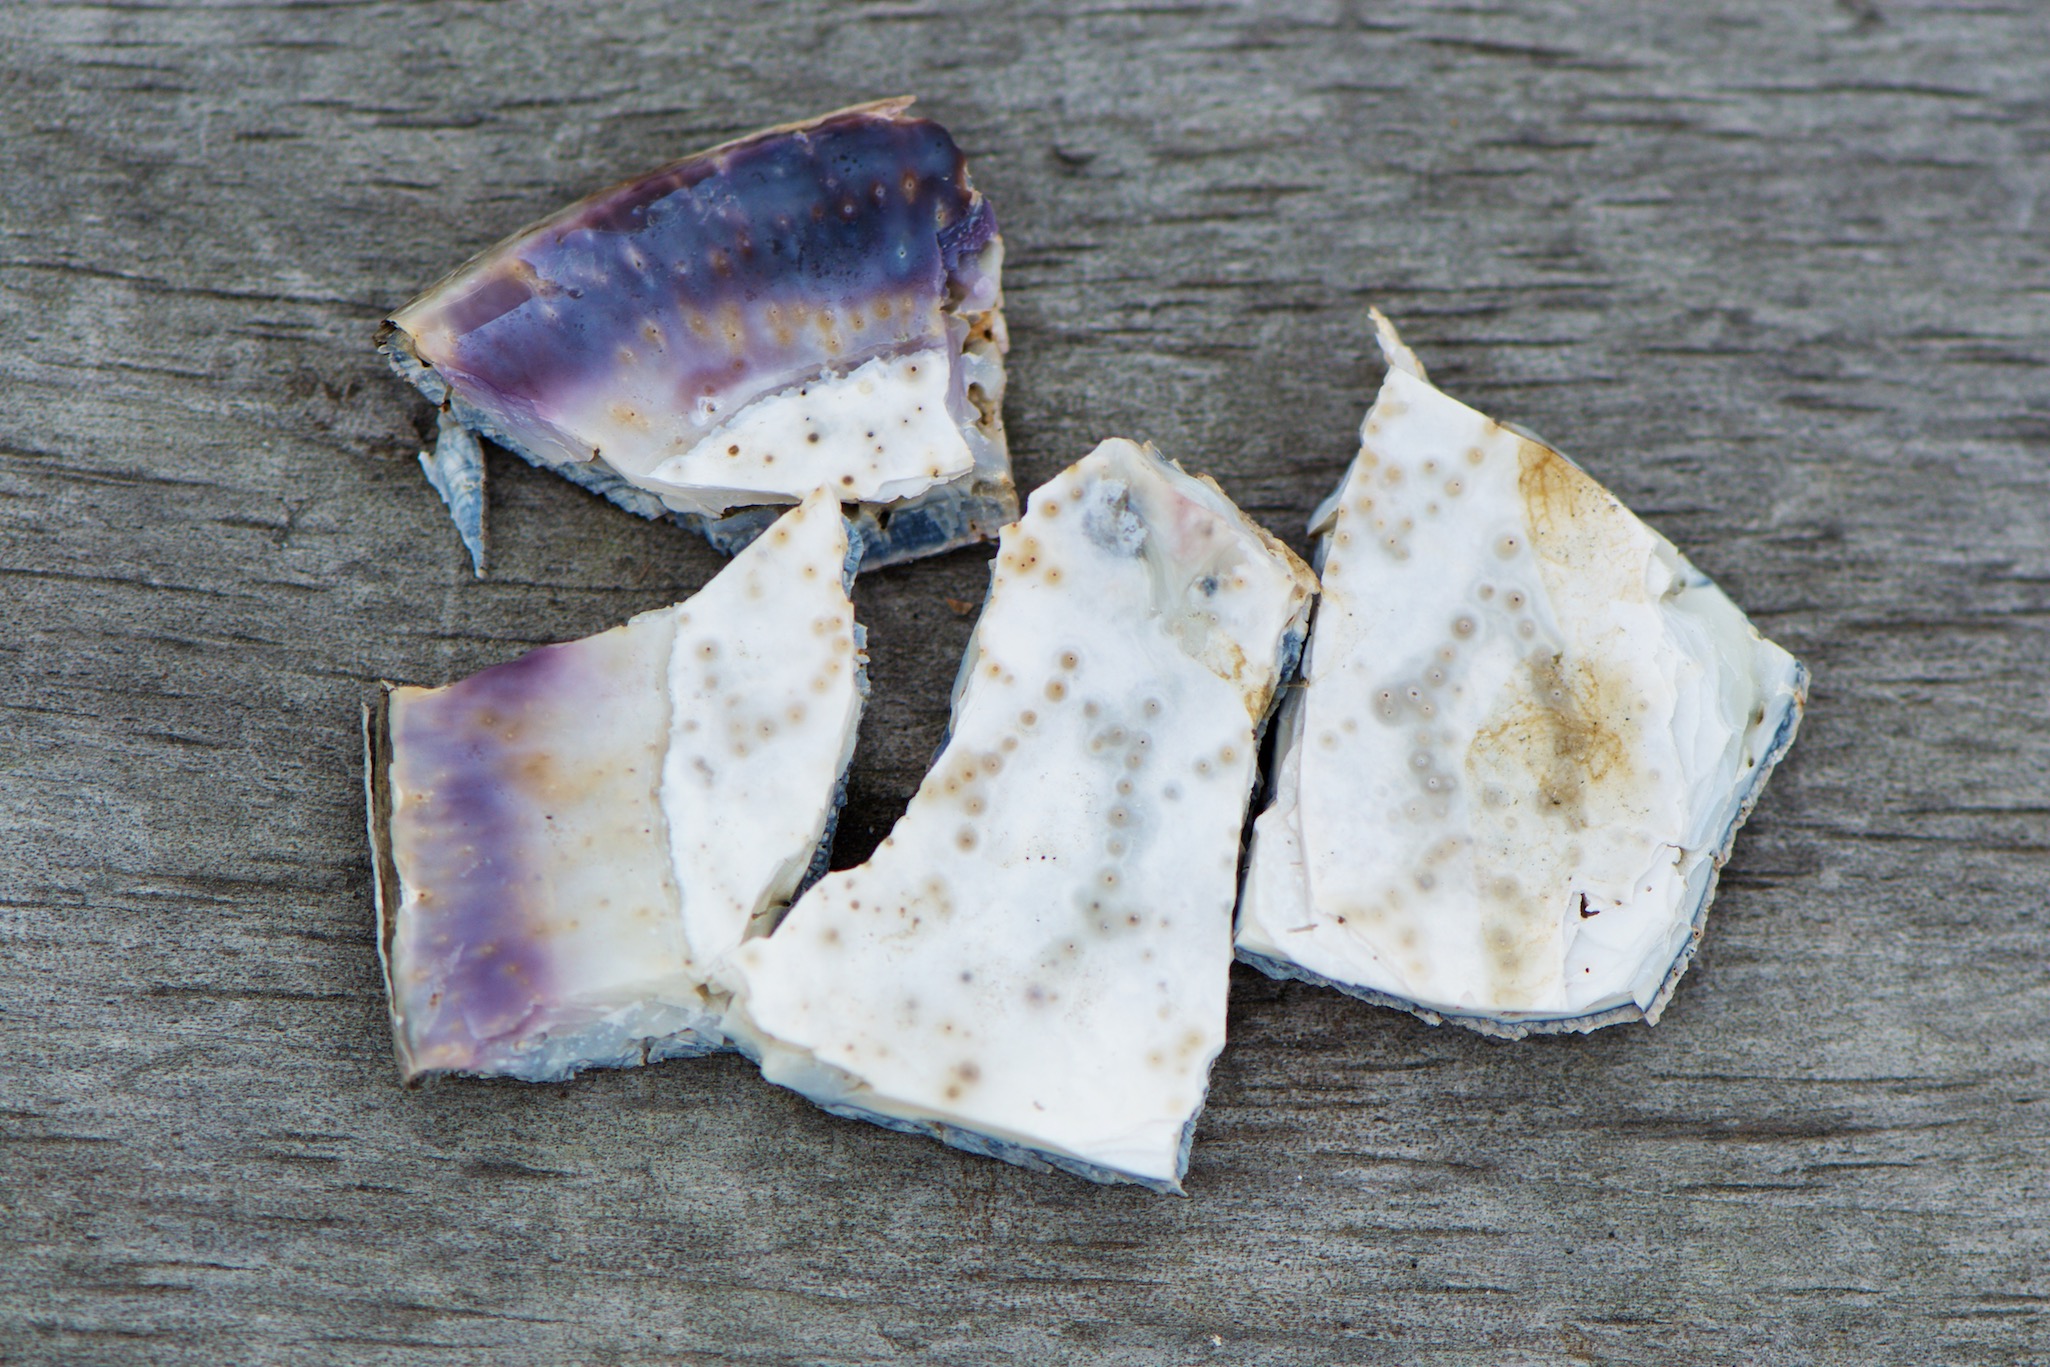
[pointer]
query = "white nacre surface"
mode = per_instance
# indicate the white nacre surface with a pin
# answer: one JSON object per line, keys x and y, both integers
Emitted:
{"x": 1035, "y": 961}
{"x": 880, "y": 433}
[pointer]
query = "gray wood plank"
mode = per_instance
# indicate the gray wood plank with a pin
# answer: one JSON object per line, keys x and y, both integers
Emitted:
{"x": 1773, "y": 271}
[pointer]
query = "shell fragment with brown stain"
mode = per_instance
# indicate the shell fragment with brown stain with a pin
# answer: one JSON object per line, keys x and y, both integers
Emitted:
{"x": 1528, "y": 732}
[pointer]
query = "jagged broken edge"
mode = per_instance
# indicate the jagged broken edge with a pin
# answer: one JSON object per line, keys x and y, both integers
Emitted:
{"x": 384, "y": 869}
{"x": 822, "y": 856}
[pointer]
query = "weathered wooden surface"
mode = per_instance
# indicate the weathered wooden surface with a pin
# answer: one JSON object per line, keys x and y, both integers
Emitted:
{"x": 1774, "y": 271}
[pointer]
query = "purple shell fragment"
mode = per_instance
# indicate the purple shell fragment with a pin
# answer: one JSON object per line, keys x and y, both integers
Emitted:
{"x": 817, "y": 305}
{"x": 569, "y": 843}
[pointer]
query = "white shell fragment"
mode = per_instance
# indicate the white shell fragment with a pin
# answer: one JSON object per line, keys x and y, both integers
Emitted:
{"x": 1529, "y": 732}
{"x": 1034, "y": 963}
{"x": 568, "y": 844}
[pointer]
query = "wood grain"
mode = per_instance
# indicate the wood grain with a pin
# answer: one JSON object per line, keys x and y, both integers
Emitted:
{"x": 1773, "y": 271}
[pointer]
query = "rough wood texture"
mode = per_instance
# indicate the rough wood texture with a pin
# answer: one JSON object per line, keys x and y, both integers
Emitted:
{"x": 1773, "y": 271}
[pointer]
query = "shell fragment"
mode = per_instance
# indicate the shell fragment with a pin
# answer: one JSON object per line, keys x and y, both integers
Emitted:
{"x": 815, "y": 305}
{"x": 1034, "y": 963}
{"x": 569, "y": 844}
{"x": 1528, "y": 734}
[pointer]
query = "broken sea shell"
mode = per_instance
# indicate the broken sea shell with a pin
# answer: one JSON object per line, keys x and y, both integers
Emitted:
{"x": 1034, "y": 964}
{"x": 816, "y": 305}
{"x": 567, "y": 845}
{"x": 1527, "y": 734}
